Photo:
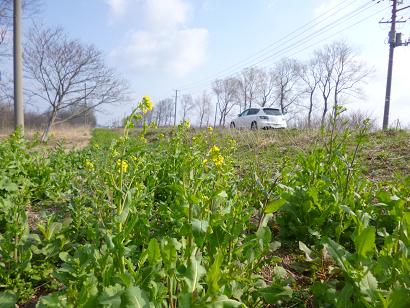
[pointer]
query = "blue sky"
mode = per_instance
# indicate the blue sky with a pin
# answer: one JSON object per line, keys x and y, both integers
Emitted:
{"x": 161, "y": 45}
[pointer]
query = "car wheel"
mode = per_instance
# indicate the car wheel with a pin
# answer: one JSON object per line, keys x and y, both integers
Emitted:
{"x": 254, "y": 125}
{"x": 232, "y": 125}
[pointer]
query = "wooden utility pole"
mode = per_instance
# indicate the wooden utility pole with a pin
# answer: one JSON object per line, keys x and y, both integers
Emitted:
{"x": 175, "y": 111}
{"x": 394, "y": 41}
{"x": 18, "y": 67}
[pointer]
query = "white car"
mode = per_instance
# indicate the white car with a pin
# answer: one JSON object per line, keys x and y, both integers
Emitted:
{"x": 255, "y": 118}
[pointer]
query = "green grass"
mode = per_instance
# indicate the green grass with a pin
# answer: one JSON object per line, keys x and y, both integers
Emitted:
{"x": 192, "y": 218}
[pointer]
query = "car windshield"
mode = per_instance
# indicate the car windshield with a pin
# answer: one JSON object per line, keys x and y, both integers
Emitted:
{"x": 272, "y": 111}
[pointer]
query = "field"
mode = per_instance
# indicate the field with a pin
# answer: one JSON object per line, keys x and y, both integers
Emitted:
{"x": 207, "y": 218}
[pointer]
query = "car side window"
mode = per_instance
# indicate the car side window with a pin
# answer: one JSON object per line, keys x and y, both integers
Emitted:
{"x": 244, "y": 113}
{"x": 253, "y": 111}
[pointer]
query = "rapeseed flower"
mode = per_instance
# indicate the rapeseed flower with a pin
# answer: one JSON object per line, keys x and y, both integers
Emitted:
{"x": 218, "y": 160}
{"x": 122, "y": 165}
{"x": 89, "y": 165}
{"x": 215, "y": 150}
{"x": 210, "y": 129}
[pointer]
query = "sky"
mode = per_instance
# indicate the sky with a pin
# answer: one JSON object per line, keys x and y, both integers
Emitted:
{"x": 163, "y": 45}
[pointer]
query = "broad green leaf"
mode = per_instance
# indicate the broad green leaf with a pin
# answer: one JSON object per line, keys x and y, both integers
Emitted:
{"x": 52, "y": 300}
{"x": 111, "y": 296}
{"x": 274, "y": 293}
{"x": 169, "y": 253}
{"x": 306, "y": 250}
{"x": 365, "y": 241}
{"x": 199, "y": 230}
{"x": 134, "y": 297}
{"x": 368, "y": 287}
{"x": 214, "y": 273}
{"x": 343, "y": 297}
{"x": 193, "y": 274}
{"x": 225, "y": 302}
{"x": 7, "y": 300}
{"x": 399, "y": 298}
{"x": 154, "y": 252}
{"x": 338, "y": 253}
{"x": 274, "y": 206}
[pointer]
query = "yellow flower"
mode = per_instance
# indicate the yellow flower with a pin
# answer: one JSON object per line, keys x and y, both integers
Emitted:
{"x": 134, "y": 158}
{"x": 204, "y": 162}
{"x": 218, "y": 160}
{"x": 210, "y": 129}
{"x": 89, "y": 165}
{"x": 215, "y": 149}
{"x": 186, "y": 124}
{"x": 146, "y": 104}
{"x": 122, "y": 165}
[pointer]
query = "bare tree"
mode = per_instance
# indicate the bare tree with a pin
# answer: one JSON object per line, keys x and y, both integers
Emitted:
{"x": 187, "y": 103}
{"x": 310, "y": 77}
{"x": 65, "y": 73}
{"x": 227, "y": 93}
{"x": 248, "y": 87}
{"x": 287, "y": 77}
{"x": 349, "y": 72}
{"x": 30, "y": 8}
{"x": 203, "y": 105}
{"x": 163, "y": 112}
{"x": 265, "y": 87}
{"x": 340, "y": 72}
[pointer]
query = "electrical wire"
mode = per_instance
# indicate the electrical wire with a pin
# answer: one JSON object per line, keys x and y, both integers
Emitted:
{"x": 291, "y": 37}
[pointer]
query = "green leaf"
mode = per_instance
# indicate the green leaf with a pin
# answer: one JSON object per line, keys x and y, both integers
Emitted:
{"x": 368, "y": 287}
{"x": 52, "y": 300}
{"x": 194, "y": 273}
{"x": 399, "y": 298}
{"x": 274, "y": 293}
{"x": 214, "y": 273}
{"x": 199, "y": 229}
{"x": 365, "y": 241}
{"x": 7, "y": 300}
{"x": 154, "y": 252}
{"x": 225, "y": 302}
{"x": 134, "y": 297}
{"x": 169, "y": 254}
{"x": 306, "y": 250}
{"x": 339, "y": 254}
{"x": 274, "y": 206}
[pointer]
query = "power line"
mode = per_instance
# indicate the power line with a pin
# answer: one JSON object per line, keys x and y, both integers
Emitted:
{"x": 297, "y": 41}
{"x": 303, "y": 42}
{"x": 289, "y": 37}
{"x": 304, "y": 46}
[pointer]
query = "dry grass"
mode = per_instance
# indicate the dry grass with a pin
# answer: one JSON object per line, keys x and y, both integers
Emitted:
{"x": 73, "y": 137}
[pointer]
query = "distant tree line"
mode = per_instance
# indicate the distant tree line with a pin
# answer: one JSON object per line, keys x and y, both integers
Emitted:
{"x": 307, "y": 92}
{"x": 63, "y": 76}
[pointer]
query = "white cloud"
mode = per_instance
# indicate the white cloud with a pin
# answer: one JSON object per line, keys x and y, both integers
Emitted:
{"x": 160, "y": 14}
{"x": 117, "y": 7}
{"x": 176, "y": 52}
{"x": 164, "y": 42}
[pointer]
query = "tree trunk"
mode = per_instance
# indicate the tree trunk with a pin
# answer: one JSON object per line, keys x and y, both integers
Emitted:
{"x": 310, "y": 110}
{"x": 322, "y": 123}
{"x": 50, "y": 123}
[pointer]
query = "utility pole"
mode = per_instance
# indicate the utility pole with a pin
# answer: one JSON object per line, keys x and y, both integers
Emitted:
{"x": 175, "y": 111}
{"x": 394, "y": 41}
{"x": 18, "y": 67}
